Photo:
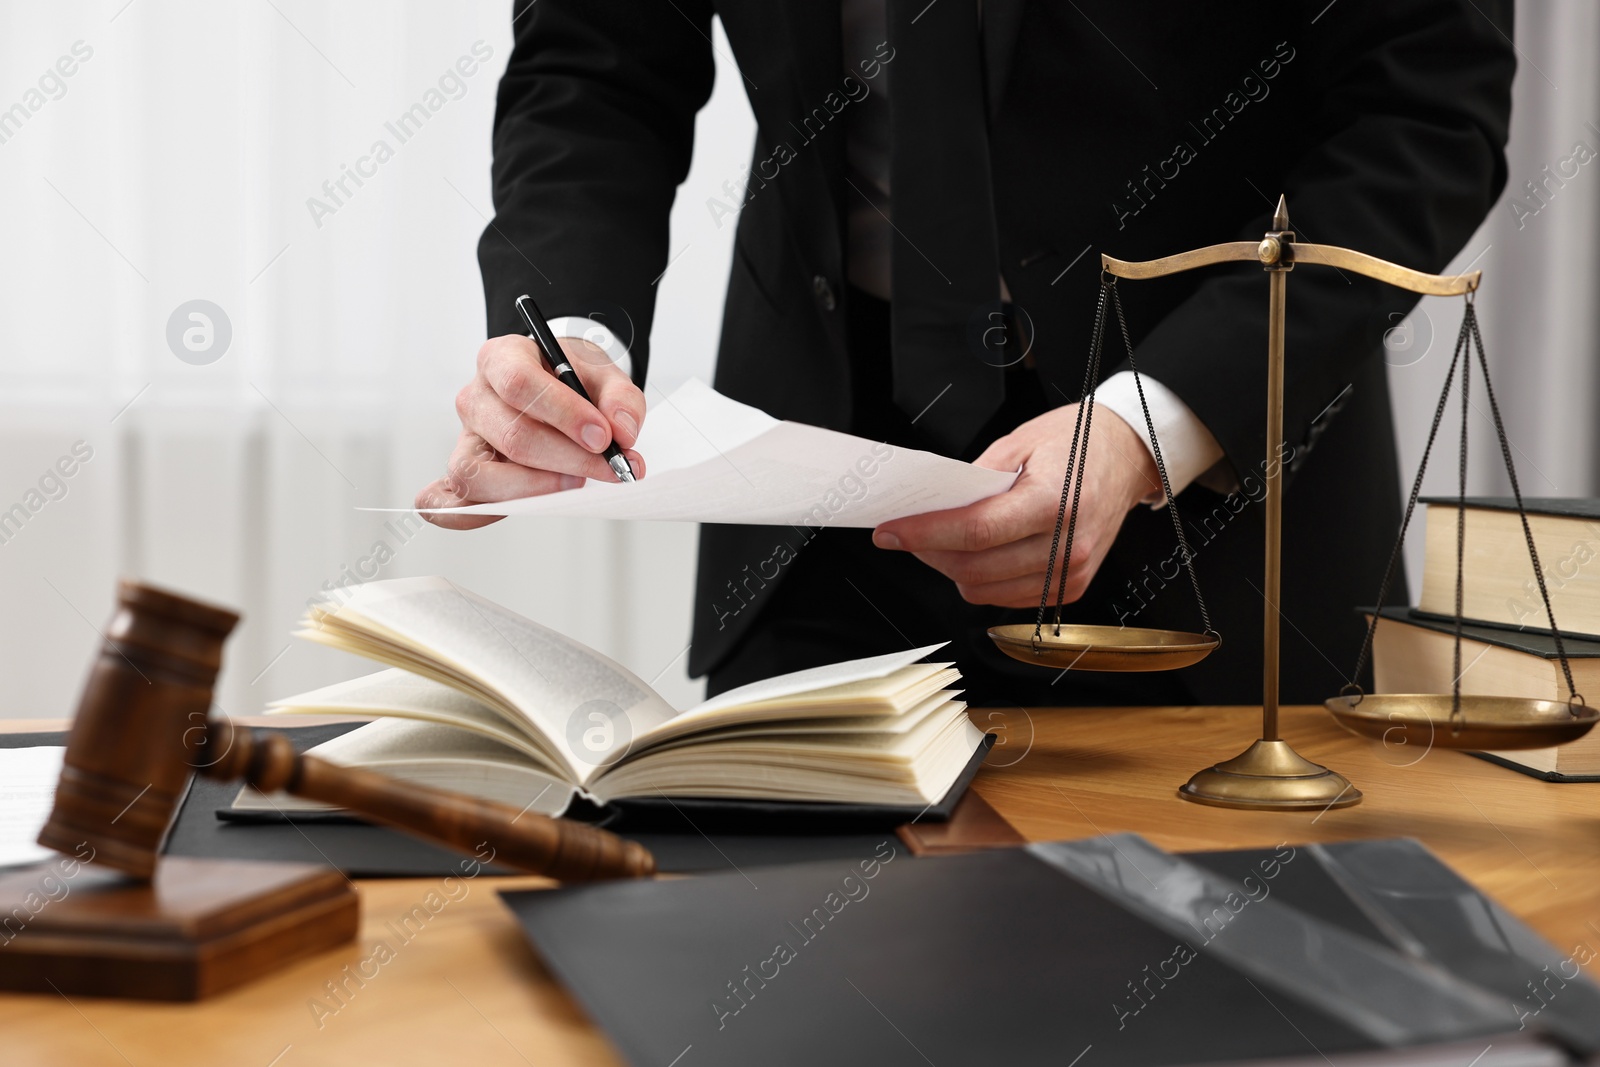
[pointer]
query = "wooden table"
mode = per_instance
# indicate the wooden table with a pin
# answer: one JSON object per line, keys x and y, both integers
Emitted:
{"x": 469, "y": 990}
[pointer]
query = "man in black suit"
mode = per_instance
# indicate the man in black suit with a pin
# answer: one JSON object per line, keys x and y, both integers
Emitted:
{"x": 1009, "y": 143}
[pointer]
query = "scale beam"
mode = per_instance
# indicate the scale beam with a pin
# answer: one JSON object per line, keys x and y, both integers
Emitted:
{"x": 1232, "y": 252}
{"x": 1390, "y": 273}
{"x": 1271, "y": 251}
{"x": 1270, "y": 775}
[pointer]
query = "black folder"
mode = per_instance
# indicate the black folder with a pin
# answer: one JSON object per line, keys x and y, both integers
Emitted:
{"x": 1057, "y": 953}
{"x": 684, "y": 837}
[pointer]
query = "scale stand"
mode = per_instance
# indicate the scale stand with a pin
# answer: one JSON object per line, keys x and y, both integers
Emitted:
{"x": 1270, "y": 775}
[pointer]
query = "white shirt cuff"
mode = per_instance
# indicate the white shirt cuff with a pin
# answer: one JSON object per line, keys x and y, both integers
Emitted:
{"x": 1187, "y": 447}
{"x": 596, "y": 334}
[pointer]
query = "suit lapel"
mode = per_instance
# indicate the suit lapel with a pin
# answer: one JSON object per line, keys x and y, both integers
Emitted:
{"x": 815, "y": 34}
{"x": 1002, "y": 19}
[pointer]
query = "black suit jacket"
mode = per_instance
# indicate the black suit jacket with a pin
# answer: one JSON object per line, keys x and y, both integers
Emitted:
{"x": 1134, "y": 129}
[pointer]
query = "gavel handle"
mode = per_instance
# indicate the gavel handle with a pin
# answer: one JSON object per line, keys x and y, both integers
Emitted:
{"x": 529, "y": 841}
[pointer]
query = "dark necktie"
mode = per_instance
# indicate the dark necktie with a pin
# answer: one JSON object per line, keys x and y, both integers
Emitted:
{"x": 945, "y": 270}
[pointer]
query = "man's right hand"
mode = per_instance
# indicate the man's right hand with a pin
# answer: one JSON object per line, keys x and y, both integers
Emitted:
{"x": 524, "y": 433}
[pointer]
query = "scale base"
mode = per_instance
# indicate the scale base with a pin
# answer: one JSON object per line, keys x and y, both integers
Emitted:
{"x": 1270, "y": 776}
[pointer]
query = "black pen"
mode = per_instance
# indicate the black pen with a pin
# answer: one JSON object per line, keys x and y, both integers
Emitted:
{"x": 539, "y": 330}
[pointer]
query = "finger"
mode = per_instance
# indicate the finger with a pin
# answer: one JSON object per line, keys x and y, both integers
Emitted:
{"x": 493, "y": 482}
{"x": 438, "y": 495}
{"x": 613, "y": 392}
{"x": 470, "y": 452}
{"x": 1003, "y": 455}
{"x": 1025, "y": 590}
{"x": 1015, "y": 560}
{"x": 523, "y": 439}
{"x": 1014, "y": 593}
{"x": 496, "y": 480}
{"x": 479, "y": 474}
{"x": 997, "y": 520}
{"x": 514, "y": 370}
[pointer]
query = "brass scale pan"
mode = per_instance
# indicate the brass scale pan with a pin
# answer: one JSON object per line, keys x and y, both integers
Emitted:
{"x": 1422, "y": 719}
{"x": 1103, "y": 648}
{"x": 1492, "y": 723}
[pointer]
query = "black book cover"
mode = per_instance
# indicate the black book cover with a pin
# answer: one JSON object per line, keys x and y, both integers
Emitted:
{"x": 362, "y": 850}
{"x": 678, "y": 814}
{"x": 727, "y": 815}
{"x": 1587, "y": 508}
{"x": 1534, "y": 642}
{"x": 1533, "y": 772}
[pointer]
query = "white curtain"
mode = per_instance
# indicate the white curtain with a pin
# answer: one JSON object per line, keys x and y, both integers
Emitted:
{"x": 175, "y": 163}
{"x": 1540, "y": 261}
{"x": 159, "y": 152}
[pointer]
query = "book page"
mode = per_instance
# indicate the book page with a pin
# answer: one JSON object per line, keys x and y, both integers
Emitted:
{"x": 830, "y": 724}
{"x": 28, "y": 779}
{"x": 712, "y": 459}
{"x": 397, "y": 693}
{"x": 889, "y": 694}
{"x": 875, "y": 685}
{"x": 815, "y": 678}
{"x": 583, "y": 705}
{"x": 916, "y": 767}
{"x": 434, "y": 755}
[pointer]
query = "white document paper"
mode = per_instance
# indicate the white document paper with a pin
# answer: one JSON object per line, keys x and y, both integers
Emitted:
{"x": 28, "y": 779}
{"x": 712, "y": 459}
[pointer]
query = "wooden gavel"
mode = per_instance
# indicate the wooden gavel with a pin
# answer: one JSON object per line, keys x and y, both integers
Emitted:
{"x": 144, "y": 725}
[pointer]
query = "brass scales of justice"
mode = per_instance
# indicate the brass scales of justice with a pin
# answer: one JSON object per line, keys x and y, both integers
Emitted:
{"x": 1270, "y": 775}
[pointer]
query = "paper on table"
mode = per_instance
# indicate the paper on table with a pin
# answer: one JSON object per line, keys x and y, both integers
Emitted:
{"x": 28, "y": 779}
{"x": 712, "y": 459}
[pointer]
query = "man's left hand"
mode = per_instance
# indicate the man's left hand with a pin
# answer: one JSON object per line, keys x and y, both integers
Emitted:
{"x": 996, "y": 550}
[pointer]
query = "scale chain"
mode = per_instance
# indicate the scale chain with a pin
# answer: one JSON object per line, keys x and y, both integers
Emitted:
{"x": 1161, "y": 468}
{"x": 1469, "y": 335}
{"x": 1573, "y": 696}
{"x": 1079, "y": 462}
{"x": 1456, "y": 719}
{"x": 1411, "y": 506}
{"x": 1091, "y": 370}
{"x": 1072, "y": 482}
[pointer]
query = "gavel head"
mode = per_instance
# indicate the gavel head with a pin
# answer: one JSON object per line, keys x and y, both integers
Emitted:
{"x": 140, "y": 730}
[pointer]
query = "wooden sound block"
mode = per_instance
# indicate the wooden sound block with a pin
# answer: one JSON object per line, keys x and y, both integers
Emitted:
{"x": 197, "y": 928}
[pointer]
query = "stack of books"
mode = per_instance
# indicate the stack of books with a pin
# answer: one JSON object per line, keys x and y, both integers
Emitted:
{"x": 1506, "y": 645}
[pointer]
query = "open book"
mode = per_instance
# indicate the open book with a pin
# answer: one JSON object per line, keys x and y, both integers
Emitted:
{"x": 484, "y": 701}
